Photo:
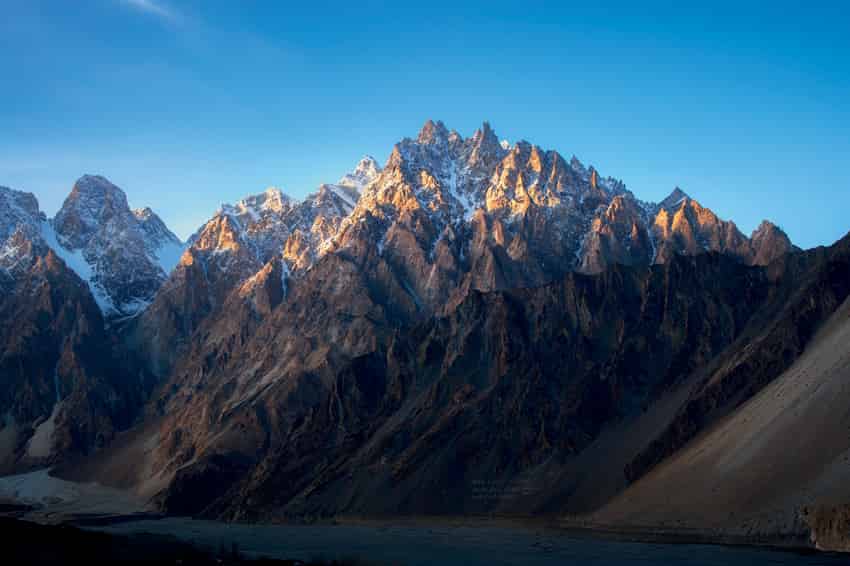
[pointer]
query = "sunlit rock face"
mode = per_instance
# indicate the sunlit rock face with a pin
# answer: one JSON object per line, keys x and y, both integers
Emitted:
{"x": 444, "y": 216}
{"x": 453, "y": 214}
{"x": 769, "y": 242}
{"x": 683, "y": 226}
{"x": 237, "y": 243}
{"x": 618, "y": 235}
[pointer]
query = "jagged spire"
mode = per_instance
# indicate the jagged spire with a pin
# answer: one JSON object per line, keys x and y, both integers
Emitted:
{"x": 485, "y": 144}
{"x": 485, "y": 131}
{"x": 767, "y": 228}
{"x": 485, "y": 135}
{"x": 766, "y": 225}
{"x": 769, "y": 242}
{"x": 432, "y": 132}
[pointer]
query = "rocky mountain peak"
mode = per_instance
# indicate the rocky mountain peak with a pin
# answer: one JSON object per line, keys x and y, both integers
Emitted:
{"x": 17, "y": 208}
{"x": 124, "y": 255}
{"x": 769, "y": 242}
{"x": 261, "y": 210}
{"x": 433, "y": 132}
{"x": 18, "y": 203}
{"x": 92, "y": 203}
{"x": 577, "y": 166}
{"x": 485, "y": 135}
{"x": 95, "y": 185}
{"x": 485, "y": 146}
{"x": 158, "y": 234}
{"x": 20, "y": 226}
{"x": 674, "y": 199}
{"x": 766, "y": 228}
{"x": 94, "y": 189}
{"x": 242, "y": 237}
{"x": 366, "y": 171}
{"x": 275, "y": 199}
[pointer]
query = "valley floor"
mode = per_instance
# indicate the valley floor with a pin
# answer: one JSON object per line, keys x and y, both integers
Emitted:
{"x": 41, "y": 498}
{"x": 459, "y": 541}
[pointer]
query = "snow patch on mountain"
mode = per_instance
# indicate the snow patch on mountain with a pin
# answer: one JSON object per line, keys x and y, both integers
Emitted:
{"x": 40, "y": 445}
{"x": 76, "y": 261}
{"x": 246, "y": 235}
{"x": 254, "y": 207}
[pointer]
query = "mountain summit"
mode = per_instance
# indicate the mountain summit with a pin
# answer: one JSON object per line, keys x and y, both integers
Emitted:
{"x": 124, "y": 255}
{"x": 365, "y": 172}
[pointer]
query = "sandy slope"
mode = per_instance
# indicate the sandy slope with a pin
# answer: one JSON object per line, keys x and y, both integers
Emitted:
{"x": 128, "y": 465}
{"x": 752, "y": 473}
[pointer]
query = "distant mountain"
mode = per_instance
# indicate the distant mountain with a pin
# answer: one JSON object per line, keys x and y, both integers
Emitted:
{"x": 364, "y": 173}
{"x": 63, "y": 388}
{"x": 20, "y": 233}
{"x": 124, "y": 255}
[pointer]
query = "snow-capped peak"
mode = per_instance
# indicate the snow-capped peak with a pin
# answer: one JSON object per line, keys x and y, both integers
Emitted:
{"x": 271, "y": 200}
{"x": 92, "y": 203}
{"x": 123, "y": 254}
{"x": 19, "y": 228}
{"x": 274, "y": 199}
{"x": 432, "y": 132}
{"x": 96, "y": 189}
{"x": 16, "y": 208}
{"x": 367, "y": 170}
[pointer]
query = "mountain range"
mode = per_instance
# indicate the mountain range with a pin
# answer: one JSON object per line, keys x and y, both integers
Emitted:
{"x": 476, "y": 327}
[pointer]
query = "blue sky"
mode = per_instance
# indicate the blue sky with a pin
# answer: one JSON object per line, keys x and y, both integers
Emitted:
{"x": 185, "y": 105}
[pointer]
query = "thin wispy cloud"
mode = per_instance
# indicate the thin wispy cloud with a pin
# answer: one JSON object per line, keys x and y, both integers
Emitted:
{"x": 153, "y": 8}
